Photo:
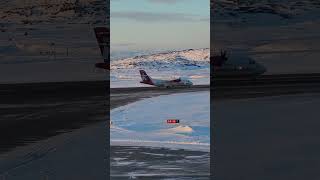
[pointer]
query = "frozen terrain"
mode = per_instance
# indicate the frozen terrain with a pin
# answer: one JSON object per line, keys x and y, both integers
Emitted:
{"x": 38, "y": 57}
{"x": 143, "y": 123}
{"x": 38, "y": 152}
{"x": 192, "y": 63}
{"x": 276, "y": 11}
{"x": 44, "y": 12}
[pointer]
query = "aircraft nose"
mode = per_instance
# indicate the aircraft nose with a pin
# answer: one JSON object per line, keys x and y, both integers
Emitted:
{"x": 188, "y": 82}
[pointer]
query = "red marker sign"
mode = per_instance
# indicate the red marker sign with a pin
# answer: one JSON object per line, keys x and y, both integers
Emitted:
{"x": 172, "y": 121}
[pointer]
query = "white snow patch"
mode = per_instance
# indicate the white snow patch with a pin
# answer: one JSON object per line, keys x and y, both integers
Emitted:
{"x": 179, "y": 129}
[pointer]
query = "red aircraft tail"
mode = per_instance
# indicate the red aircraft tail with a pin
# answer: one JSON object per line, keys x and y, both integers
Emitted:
{"x": 103, "y": 37}
{"x": 145, "y": 78}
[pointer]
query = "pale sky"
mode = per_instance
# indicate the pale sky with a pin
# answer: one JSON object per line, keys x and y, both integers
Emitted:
{"x": 159, "y": 24}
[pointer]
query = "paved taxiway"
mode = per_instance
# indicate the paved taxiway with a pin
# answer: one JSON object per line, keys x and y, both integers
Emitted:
{"x": 265, "y": 85}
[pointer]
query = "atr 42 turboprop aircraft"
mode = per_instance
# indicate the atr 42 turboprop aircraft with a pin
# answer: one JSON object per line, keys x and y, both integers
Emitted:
{"x": 247, "y": 68}
{"x": 164, "y": 83}
{"x": 103, "y": 36}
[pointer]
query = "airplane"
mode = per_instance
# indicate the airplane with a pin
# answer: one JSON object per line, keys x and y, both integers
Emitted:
{"x": 164, "y": 83}
{"x": 223, "y": 68}
{"x": 103, "y": 36}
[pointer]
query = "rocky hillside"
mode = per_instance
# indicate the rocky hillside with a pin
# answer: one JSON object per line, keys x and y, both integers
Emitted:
{"x": 61, "y": 11}
{"x": 282, "y": 8}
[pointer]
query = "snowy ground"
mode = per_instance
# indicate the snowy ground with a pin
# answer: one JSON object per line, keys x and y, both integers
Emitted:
{"x": 144, "y": 122}
{"x": 31, "y": 59}
{"x": 63, "y": 156}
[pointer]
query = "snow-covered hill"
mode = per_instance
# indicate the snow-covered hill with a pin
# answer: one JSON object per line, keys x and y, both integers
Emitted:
{"x": 250, "y": 10}
{"x": 280, "y": 7}
{"x": 62, "y": 11}
{"x": 185, "y": 59}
